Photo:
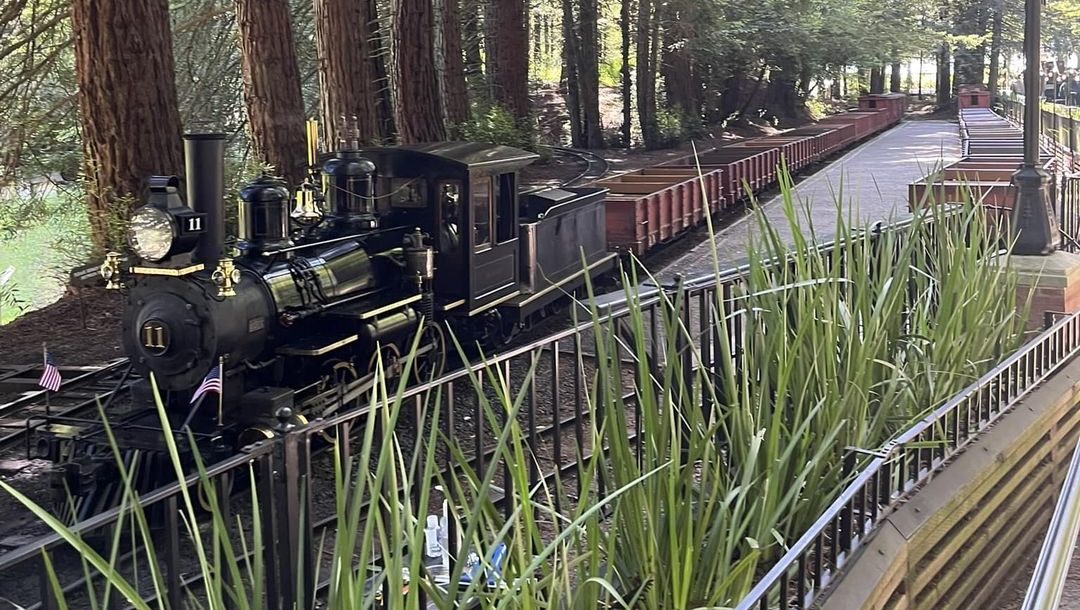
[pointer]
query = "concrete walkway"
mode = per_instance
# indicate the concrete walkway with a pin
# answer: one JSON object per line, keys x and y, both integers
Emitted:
{"x": 874, "y": 177}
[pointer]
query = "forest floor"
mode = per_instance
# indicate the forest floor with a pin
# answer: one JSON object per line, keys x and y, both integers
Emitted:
{"x": 85, "y": 329}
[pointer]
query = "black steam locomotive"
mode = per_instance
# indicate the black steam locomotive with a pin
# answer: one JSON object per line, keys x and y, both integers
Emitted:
{"x": 380, "y": 246}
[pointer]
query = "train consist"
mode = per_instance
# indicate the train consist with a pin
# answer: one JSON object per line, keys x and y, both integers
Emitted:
{"x": 379, "y": 249}
{"x": 650, "y": 207}
{"x": 992, "y": 151}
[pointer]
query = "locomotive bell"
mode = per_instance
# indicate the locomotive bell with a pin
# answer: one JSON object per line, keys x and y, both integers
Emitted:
{"x": 348, "y": 188}
{"x": 264, "y": 215}
{"x": 419, "y": 258}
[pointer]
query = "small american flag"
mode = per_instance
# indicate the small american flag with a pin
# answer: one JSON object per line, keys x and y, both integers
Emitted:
{"x": 210, "y": 383}
{"x": 50, "y": 377}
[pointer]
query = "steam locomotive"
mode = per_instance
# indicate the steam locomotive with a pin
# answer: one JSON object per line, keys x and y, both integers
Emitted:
{"x": 378, "y": 247}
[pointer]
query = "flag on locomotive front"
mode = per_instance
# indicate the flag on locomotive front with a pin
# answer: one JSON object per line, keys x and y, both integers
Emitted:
{"x": 210, "y": 383}
{"x": 50, "y": 377}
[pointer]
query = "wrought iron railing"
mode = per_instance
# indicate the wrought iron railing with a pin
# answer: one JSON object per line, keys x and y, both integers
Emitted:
{"x": 289, "y": 481}
{"x": 905, "y": 463}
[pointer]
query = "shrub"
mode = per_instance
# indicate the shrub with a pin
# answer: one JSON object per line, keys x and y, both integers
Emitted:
{"x": 495, "y": 125}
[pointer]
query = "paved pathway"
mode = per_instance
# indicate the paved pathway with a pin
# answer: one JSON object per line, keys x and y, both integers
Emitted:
{"x": 874, "y": 177}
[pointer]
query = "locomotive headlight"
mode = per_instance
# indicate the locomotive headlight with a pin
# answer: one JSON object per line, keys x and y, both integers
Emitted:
{"x": 151, "y": 233}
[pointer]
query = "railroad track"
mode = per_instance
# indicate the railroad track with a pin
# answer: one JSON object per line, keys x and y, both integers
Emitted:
{"x": 81, "y": 389}
{"x": 597, "y": 166}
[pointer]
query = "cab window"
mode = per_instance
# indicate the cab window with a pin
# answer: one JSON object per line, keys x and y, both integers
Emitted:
{"x": 480, "y": 195}
{"x": 505, "y": 219}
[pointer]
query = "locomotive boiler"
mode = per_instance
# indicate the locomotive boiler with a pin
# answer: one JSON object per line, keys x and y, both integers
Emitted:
{"x": 383, "y": 249}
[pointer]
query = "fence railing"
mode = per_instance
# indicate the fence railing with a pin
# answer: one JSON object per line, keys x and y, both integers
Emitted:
{"x": 289, "y": 482}
{"x": 905, "y": 463}
{"x": 555, "y": 416}
{"x": 1060, "y": 128}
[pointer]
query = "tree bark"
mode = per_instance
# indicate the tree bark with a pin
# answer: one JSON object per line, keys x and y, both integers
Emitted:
{"x": 677, "y": 65}
{"x": 454, "y": 89}
{"x": 570, "y": 74}
{"x": 272, "y": 94}
{"x": 944, "y": 77}
{"x": 419, "y": 116}
{"x": 508, "y": 60}
{"x": 877, "y": 80}
{"x": 995, "y": 52}
{"x": 646, "y": 77}
{"x": 127, "y": 102}
{"x": 895, "y": 84}
{"x": 589, "y": 74}
{"x": 472, "y": 39}
{"x": 384, "y": 89}
{"x": 346, "y": 73}
{"x": 627, "y": 81}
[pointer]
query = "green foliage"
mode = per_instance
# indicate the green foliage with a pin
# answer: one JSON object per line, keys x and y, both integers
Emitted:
{"x": 845, "y": 348}
{"x": 495, "y": 125}
{"x": 43, "y": 234}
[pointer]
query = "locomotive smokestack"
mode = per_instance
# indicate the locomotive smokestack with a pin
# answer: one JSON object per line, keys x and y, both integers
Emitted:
{"x": 204, "y": 156}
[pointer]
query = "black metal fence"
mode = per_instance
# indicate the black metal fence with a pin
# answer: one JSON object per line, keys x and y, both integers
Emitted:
{"x": 1060, "y": 128}
{"x": 903, "y": 465}
{"x": 291, "y": 479}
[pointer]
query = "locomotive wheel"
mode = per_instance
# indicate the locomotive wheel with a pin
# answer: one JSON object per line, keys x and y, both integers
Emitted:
{"x": 391, "y": 361}
{"x": 430, "y": 365}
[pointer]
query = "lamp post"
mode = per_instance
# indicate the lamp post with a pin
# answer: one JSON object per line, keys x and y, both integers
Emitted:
{"x": 1033, "y": 215}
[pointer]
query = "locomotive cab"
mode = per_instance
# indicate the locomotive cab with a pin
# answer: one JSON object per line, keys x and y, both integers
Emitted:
{"x": 468, "y": 192}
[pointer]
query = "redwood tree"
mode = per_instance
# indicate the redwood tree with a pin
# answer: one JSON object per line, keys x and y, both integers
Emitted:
{"x": 127, "y": 101}
{"x": 346, "y": 70}
{"x": 454, "y": 89}
{"x": 272, "y": 94}
{"x": 647, "y": 41}
{"x": 419, "y": 110}
{"x": 508, "y": 60}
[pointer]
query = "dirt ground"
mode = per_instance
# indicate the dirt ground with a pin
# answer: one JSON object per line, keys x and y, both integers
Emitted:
{"x": 79, "y": 330}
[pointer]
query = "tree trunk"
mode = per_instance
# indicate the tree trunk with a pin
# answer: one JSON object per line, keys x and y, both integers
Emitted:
{"x": 627, "y": 81}
{"x": 677, "y": 67}
{"x": 127, "y": 101}
{"x": 782, "y": 94}
{"x": 995, "y": 52}
{"x": 729, "y": 102}
{"x": 877, "y": 80}
{"x": 944, "y": 77}
{"x": 454, "y": 89}
{"x": 508, "y": 61}
{"x": 384, "y": 89}
{"x": 570, "y": 74}
{"x": 472, "y": 39}
{"x": 272, "y": 94}
{"x": 895, "y": 84}
{"x": 589, "y": 75}
{"x": 970, "y": 61}
{"x": 419, "y": 116}
{"x": 646, "y": 78}
{"x": 346, "y": 73}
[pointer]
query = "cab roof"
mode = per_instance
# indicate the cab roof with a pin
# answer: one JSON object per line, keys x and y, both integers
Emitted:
{"x": 459, "y": 156}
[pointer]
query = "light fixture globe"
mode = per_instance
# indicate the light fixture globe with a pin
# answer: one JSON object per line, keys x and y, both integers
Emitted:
{"x": 151, "y": 233}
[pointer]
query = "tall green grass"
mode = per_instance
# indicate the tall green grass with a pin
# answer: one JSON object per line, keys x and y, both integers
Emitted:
{"x": 739, "y": 448}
